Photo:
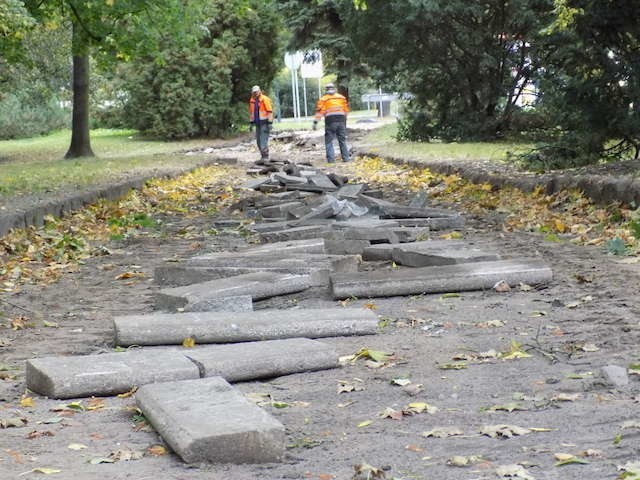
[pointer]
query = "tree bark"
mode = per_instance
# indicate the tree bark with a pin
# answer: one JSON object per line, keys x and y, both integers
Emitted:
{"x": 80, "y": 140}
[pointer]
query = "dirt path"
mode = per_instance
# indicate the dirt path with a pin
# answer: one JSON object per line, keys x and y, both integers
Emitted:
{"x": 587, "y": 318}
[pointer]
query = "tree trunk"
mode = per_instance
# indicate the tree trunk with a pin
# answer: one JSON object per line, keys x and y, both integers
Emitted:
{"x": 80, "y": 140}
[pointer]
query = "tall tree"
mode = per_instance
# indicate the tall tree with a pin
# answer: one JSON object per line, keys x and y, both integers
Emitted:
{"x": 464, "y": 62}
{"x": 591, "y": 83}
{"x": 203, "y": 90}
{"x": 122, "y": 27}
{"x": 319, "y": 24}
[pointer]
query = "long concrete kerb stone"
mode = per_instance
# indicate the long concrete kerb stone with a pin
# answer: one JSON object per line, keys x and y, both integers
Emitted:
{"x": 440, "y": 279}
{"x": 228, "y": 327}
{"x": 106, "y": 374}
{"x": 208, "y": 420}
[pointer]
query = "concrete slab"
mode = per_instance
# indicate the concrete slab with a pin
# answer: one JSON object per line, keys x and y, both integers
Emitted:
{"x": 379, "y": 252}
{"x": 276, "y": 249}
{"x": 279, "y": 210}
{"x": 227, "y": 327}
{"x": 208, "y": 420}
{"x": 295, "y": 233}
{"x": 259, "y": 285}
{"x": 351, "y": 190}
{"x": 107, "y": 374}
{"x": 239, "y": 362}
{"x": 442, "y": 252}
{"x": 322, "y": 181}
{"x": 448, "y": 278}
{"x": 346, "y": 247}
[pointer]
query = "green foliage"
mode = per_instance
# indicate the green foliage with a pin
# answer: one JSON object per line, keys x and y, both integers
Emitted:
{"x": 463, "y": 61}
{"x": 592, "y": 84}
{"x": 616, "y": 246}
{"x": 205, "y": 90}
{"x": 20, "y": 118}
{"x": 15, "y": 23}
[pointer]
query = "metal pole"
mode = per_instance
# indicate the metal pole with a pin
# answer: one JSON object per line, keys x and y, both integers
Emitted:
{"x": 304, "y": 92}
{"x": 380, "y": 92}
{"x": 293, "y": 93}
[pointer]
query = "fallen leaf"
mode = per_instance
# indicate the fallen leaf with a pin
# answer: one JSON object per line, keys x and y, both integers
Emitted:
{"x": 364, "y": 471}
{"x": 443, "y": 432}
{"x": 95, "y": 404}
{"x": 370, "y": 306}
{"x": 513, "y": 471}
{"x": 515, "y": 351}
{"x": 452, "y": 366}
{"x": 76, "y": 446}
{"x": 400, "y": 381}
{"x": 128, "y": 394}
{"x": 412, "y": 389}
{"x": 365, "y": 423}
{"x": 26, "y": 402}
{"x": 127, "y": 275}
{"x": 413, "y": 448}
{"x": 126, "y": 455}
{"x": 568, "y": 459}
{"x": 50, "y": 324}
{"x": 566, "y": 397}
{"x": 99, "y": 460}
{"x": 156, "y": 450}
{"x": 419, "y": 407}
{"x": 46, "y": 471}
{"x": 503, "y": 431}
{"x": 490, "y": 324}
{"x": 15, "y": 422}
{"x": 391, "y": 413}
{"x": 462, "y": 461}
{"x": 502, "y": 287}
{"x": 188, "y": 342}
{"x": 509, "y": 407}
{"x": 36, "y": 434}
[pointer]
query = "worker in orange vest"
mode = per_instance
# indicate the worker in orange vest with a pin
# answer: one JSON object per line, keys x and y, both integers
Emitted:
{"x": 261, "y": 117}
{"x": 334, "y": 108}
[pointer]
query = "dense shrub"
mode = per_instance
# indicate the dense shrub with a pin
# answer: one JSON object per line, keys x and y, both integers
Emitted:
{"x": 21, "y": 119}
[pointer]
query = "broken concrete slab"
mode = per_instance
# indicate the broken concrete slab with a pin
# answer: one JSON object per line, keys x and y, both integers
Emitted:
{"x": 322, "y": 181}
{"x": 346, "y": 247}
{"x": 285, "y": 179}
{"x": 208, "y": 420}
{"x": 107, "y": 374}
{"x": 260, "y": 285}
{"x": 448, "y": 278}
{"x": 279, "y": 210}
{"x": 239, "y": 362}
{"x": 379, "y": 252}
{"x": 373, "y": 235}
{"x": 295, "y": 233}
{"x": 441, "y": 223}
{"x": 444, "y": 252}
{"x": 400, "y": 211}
{"x": 351, "y": 190}
{"x": 412, "y": 234}
{"x": 271, "y": 250}
{"x": 226, "y": 327}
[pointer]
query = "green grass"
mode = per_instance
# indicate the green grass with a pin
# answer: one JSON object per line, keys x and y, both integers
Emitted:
{"x": 36, "y": 164}
{"x": 382, "y": 142}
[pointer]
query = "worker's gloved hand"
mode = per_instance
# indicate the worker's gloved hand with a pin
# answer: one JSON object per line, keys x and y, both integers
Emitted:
{"x": 315, "y": 125}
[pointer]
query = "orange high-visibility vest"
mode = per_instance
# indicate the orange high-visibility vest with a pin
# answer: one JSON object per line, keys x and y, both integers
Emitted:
{"x": 266, "y": 110}
{"x": 331, "y": 104}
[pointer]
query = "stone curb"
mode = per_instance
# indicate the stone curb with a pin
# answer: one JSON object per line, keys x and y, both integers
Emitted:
{"x": 601, "y": 189}
{"x": 59, "y": 207}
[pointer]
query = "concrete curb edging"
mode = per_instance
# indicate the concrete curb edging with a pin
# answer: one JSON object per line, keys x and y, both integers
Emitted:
{"x": 64, "y": 205}
{"x": 601, "y": 189}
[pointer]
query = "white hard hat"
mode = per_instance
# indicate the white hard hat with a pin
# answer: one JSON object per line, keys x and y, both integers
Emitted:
{"x": 255, "y": 89}
{"x": 329, "y": 85}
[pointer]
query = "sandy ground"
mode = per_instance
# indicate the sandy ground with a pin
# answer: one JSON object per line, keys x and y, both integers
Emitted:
{"x": 588, "y": 317}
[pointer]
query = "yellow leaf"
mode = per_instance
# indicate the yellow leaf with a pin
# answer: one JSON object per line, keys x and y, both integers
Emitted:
{"x": 370, "y": 306}
{"x": 76, "y": 446}
{"x": 366, "y": 423}
{"x": 128, "y": 394}
{"x": 46, "y": 471}
{"x": 188, "y": 342}
{"x": 26, "y": 402}
{"x": 156, "y": 450}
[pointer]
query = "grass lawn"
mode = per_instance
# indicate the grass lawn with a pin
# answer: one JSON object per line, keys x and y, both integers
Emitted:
{"x": 382, "y": 142}
{"x": 36, "y": 164}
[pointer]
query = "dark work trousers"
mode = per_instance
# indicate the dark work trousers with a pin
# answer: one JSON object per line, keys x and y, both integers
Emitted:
{"x": 335, "y": 126}
{"x": 262, "y": 138}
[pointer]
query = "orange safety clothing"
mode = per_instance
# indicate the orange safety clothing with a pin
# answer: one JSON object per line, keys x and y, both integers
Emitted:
{"x": 331, "y": 104}
{"x": 266, "y": 110}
